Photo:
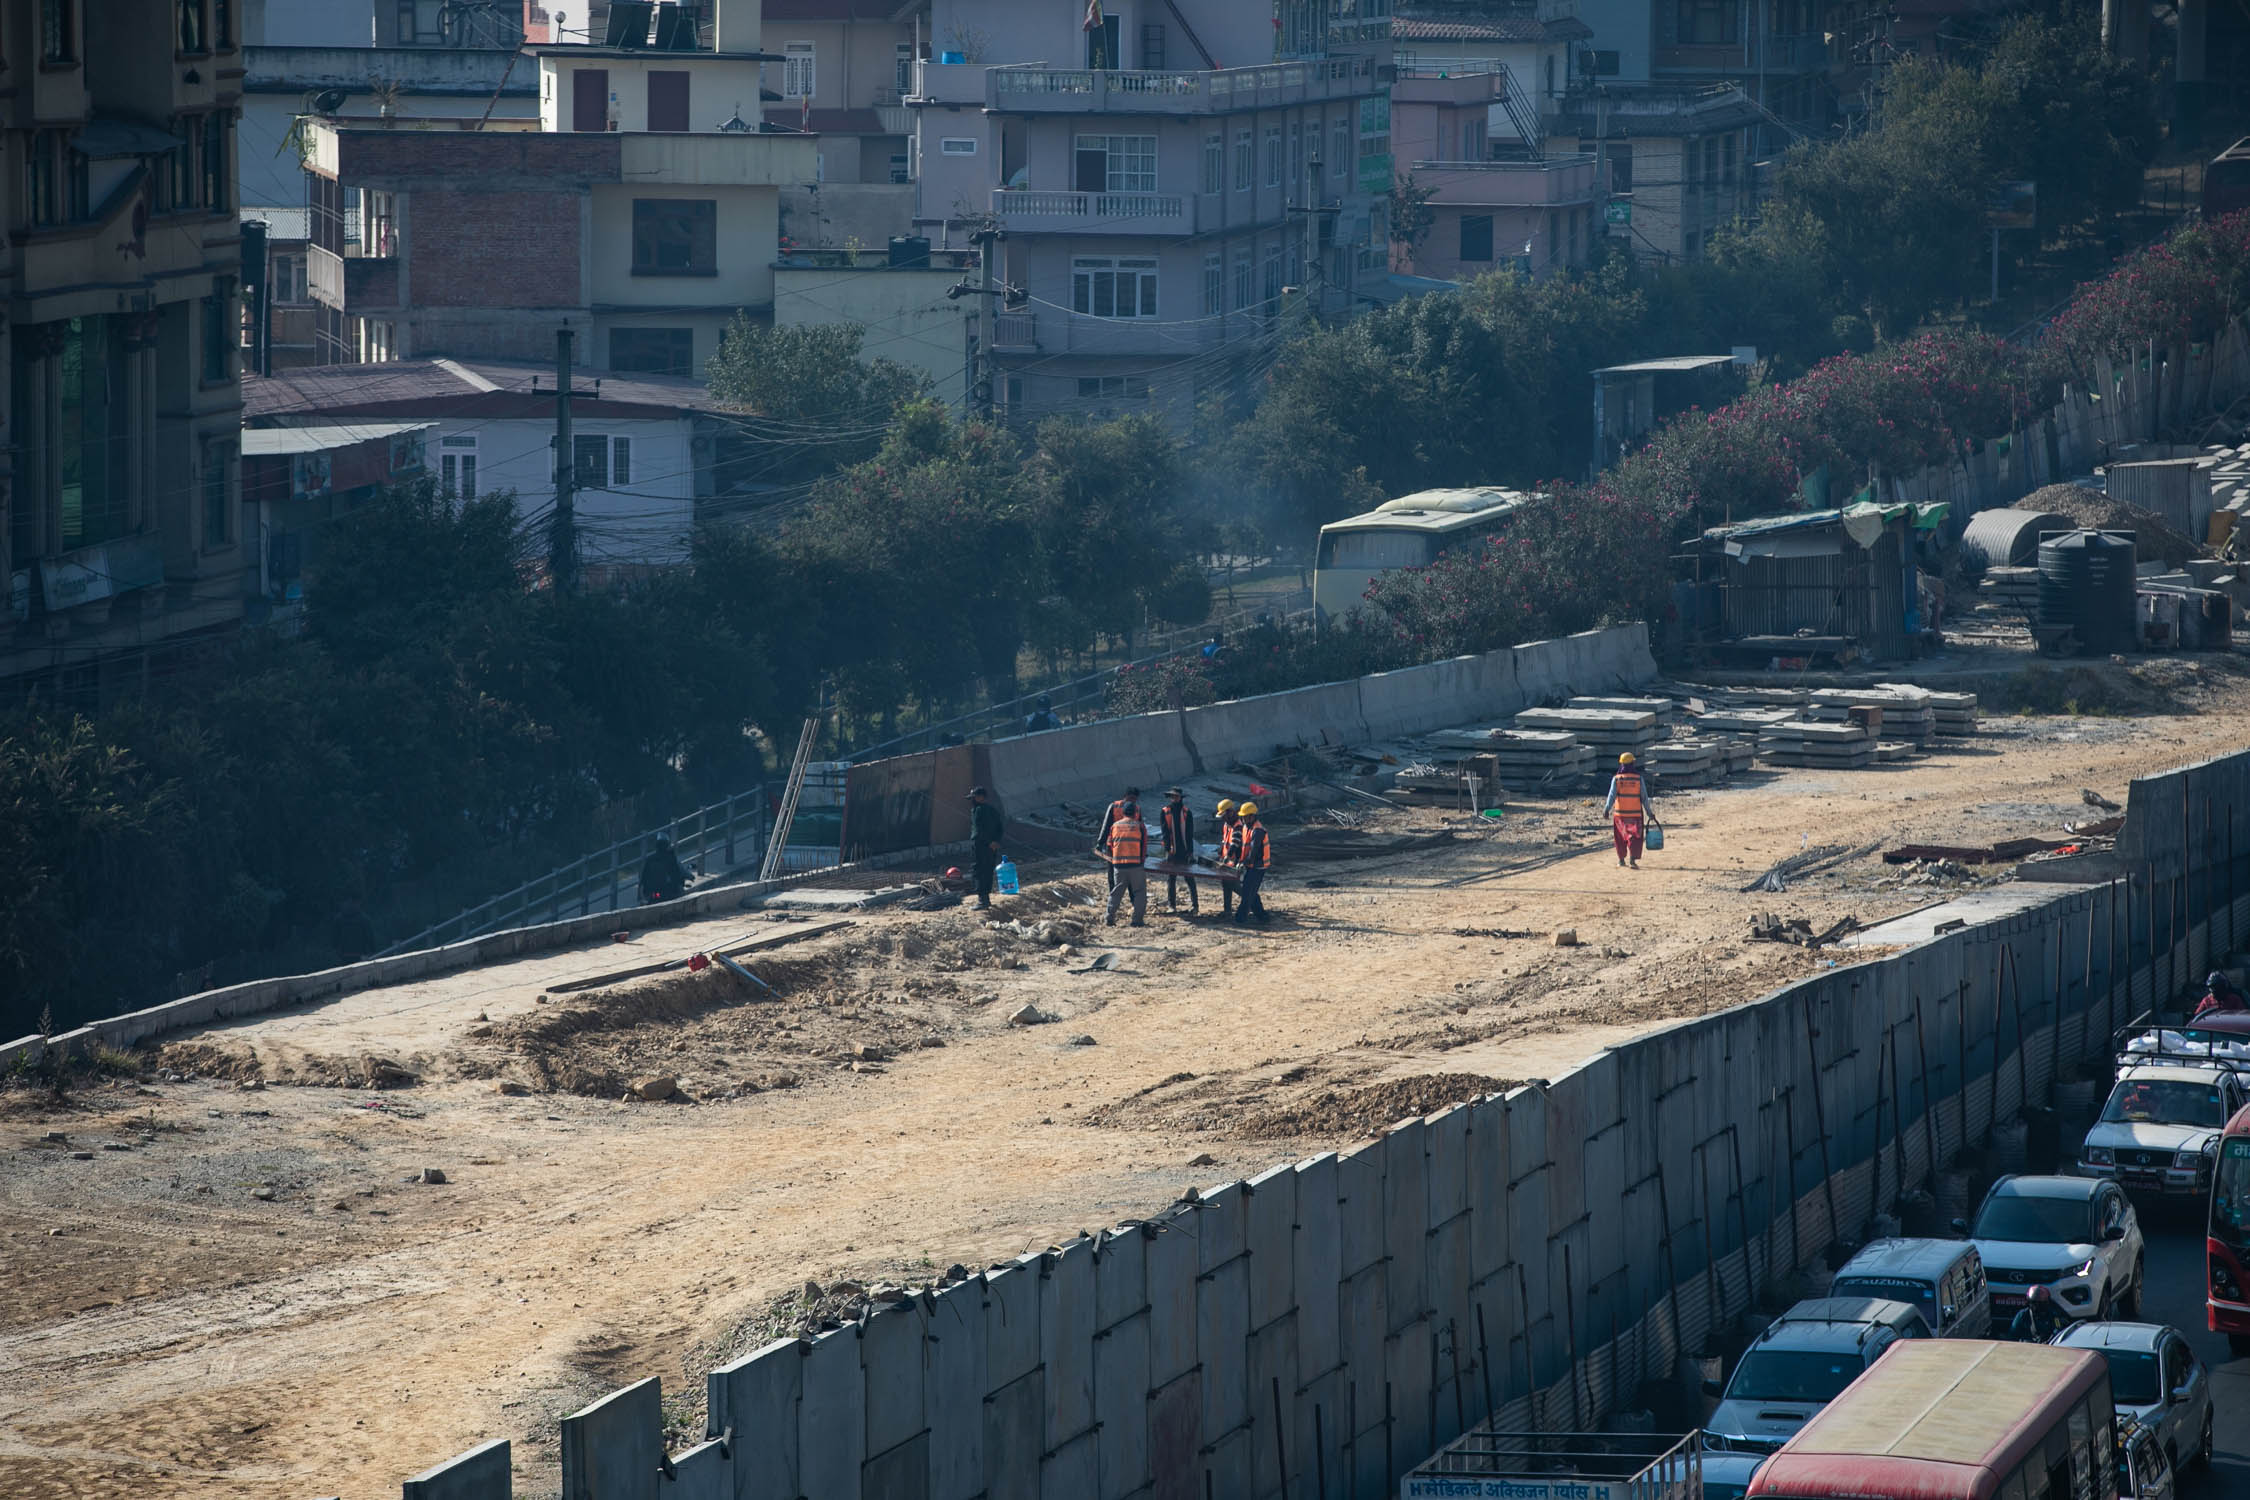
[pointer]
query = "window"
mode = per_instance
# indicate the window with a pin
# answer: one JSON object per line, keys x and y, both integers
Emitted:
{"x": 288, "y": 279}
{"x": 380, "y": 216}
{"x": 796, "y": 70}
{"x": 1692, "y": 246}
{"x": 218, "y": 505}
{"x": 1116, "y": 164}
{"x": 1272, "y": 294}
{"x": 1708, "y": 23}
{"x": 1152, "y": 47}
{"x": 1297, "y": 158}
{"x": 1105, "y": 288}
{"x": 1244, "y": 282}
{"x": 1604, "y": 63}
{"x": 1214, "y": 286}
{"x": 1476, "y": 237}
{"x": 376, "y": 342}
{"x": 42, "y": 189}
{"x": 218, "y": 326}
{"x": 902, "y": 67}
{"x": 1242, "y": 161}
{"x": 675, "y": 237}
{"x": 192, "y": 38}
{"x": 1101, "y": 43}
{"x": 222, "y": 24}
{"x": 1133, "y": 387}
{"x": 957, "y": 145}
{"x": 1214, "y": 162}
{"x": 1340, "y": 146}
{"x": 215, "y": 162}
{"x": 591, "y": 452}
{"x": 58, "y": 42}
{"x": 457, "y": 466}
{"x": 1273, "y": 156}
{"x": 1374, "y": 139}
{"x": 652, "y": 351}
{"x": 620, "y": 460}
{"x": 1620, "y": 169}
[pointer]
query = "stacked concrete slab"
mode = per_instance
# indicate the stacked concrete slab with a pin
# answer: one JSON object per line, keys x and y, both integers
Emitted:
{"x": 1907, "y": 711}
{"x": 1808, "y": 742}
{"x": 1524, "y": 757}
{"x": 1534, "y": 1256}
{"x": 1952, "y": 714}
{"x": 1665, "y": 710}
{"x": 1604, "y": 729}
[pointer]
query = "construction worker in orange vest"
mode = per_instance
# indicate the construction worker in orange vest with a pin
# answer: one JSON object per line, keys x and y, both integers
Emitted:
{"x": 1627, "y": 810}
{"x": 1109, "y": 820}
{"x": 1230, "y": 832}
{"x": 1126, "y": 845}
{"x": 1254, "y": 852}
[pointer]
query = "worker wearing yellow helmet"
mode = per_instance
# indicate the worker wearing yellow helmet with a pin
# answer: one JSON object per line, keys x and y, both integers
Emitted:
{"x": 1627, "y": 810}
{"x": 1254, "y": 848}
{"x": 1230, "y": 829}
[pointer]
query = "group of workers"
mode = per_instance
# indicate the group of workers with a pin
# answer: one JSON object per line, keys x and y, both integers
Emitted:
{"x": 1245, "y": 851}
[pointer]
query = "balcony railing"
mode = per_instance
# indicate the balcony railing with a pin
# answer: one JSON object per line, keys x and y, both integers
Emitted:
{"x": 1551, "y": 182}
{"x": 1055, "y": 332}
{"x": 1035, "y": 87}
{"x": 1111, "y": 213}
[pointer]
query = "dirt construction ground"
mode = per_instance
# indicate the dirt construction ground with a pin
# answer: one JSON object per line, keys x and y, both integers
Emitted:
{"x": 210, "y": 1288}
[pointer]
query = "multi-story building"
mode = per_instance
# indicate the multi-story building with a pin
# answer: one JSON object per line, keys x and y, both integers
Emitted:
{"x": 1675, "y": 161}
{"x": 119, "y": 482}
{"x": 846, "y": 66}
{"x": 1485, "y": 203}
{"x": 1157, "y": 180}
{"x": 639, "y": 211}
{"x": 1537, "y": 46}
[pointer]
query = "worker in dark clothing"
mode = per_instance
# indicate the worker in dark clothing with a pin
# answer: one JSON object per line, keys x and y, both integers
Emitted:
{"x": 1230, "y": 836}
{"x": 1179, "y": 849}
{"x": 1042, "y": 717}
{"x": 2039, "y": 1321}
{"x": 984, "y": 842}
{"x": 2219, "y": 997}
{"x": 1131, "y": 798}
{"x": 662, "y": 878}
{"x": 1255, "y": 855}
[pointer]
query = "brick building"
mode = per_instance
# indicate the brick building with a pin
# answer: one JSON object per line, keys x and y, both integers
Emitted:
{"x": 639, "y": 211}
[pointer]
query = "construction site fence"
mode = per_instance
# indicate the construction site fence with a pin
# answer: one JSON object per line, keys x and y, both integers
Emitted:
{"x": 1530, "y": 1259}
{"x": 2124, "y": 402}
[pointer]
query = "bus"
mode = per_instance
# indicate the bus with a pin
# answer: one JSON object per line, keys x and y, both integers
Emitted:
{"x": 1408, "y": 532}
{"x": 2226, "y": 1249}
{"x": 1957, "y": 1419}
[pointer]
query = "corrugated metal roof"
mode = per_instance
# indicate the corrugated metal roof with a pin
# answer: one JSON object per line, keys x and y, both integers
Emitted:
{"x": 1669, "y": 364}
{"x": 281, "y": 442}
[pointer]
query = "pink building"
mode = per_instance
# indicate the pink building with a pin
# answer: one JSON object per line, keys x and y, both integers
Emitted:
{"x": 1490, "y": 204}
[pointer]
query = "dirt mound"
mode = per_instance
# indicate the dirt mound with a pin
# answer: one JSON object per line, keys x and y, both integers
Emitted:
{"x": 1337, "y": 1114}
{"x": 2153, "y": 536}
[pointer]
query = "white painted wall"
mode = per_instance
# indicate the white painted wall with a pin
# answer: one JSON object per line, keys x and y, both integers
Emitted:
{"x": 645, "y": 521}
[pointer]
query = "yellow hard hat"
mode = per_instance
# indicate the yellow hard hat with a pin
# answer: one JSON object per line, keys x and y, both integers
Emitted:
{"x": 1626, "y": 759}
{"x": 1248, "y": 809}
{"x": 1224, "y": 804}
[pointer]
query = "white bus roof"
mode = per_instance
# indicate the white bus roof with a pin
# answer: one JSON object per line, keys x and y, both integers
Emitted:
{"x": 1434, "y": 510}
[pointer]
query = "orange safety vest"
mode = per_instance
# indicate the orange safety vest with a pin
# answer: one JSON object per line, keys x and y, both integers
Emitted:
{"x": 1230, "y": 840}
{"x": 1628, "y": 789}
{"x": 1128, "y": 839}
{"x": 1257, "y": 848}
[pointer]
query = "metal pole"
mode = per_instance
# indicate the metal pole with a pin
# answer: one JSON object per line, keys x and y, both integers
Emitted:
{"x": 562, "y": 536}
{"x": 1995, "y": 265}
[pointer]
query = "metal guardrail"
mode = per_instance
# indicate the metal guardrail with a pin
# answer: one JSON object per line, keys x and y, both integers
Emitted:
{"x": 738, "y": 826}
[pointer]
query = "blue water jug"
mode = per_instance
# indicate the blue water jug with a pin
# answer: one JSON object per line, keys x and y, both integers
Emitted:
{"x": 1652, "y": 837}
{"x": 1004, "y": 877}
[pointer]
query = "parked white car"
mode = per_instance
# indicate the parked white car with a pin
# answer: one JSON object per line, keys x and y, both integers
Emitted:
{"x": 1800, "y": 1363}
{"x": 2077, "y": 1236}
{"x": 2154, "y": 1378}
{"x": 2159, "y": 1132}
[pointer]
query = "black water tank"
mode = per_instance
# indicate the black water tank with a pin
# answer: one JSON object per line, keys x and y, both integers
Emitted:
{"x": 910, "y": 250}
{"x": 2086, "y": 583}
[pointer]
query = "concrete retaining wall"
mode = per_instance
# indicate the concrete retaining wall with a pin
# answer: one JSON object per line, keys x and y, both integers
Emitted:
{"x": 259, "y": 996}
{"x": 1320, "y": 1328}
{"x": 1091, "y": 762}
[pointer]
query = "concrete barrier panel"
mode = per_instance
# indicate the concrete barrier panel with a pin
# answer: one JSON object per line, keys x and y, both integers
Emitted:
{"x": 953, "y": 1391}
{"x": 1121, "y": 1389}
{"x": 890, "y": 1352}
{"x": 832, "y": 1418}
{"x": 1487, "y": 1170}
{"x": 1014, "y": 1421}
{"x": 1011, "y": 1321}
{"x": 610, "y": 1450}
{"x": 1270, "y": 1210}
{"x": 1066, "y": 1340}
{"x": 1222, "y": 1332}
{"x": 1406, "y": 1221}
{"x": 1446, "y": 1144}
{"x": 1219, "y": 1224}
{"x": 1175, "y": 1438}
{"x": 482, "y": 1473}
{"x": 1273, "y": 1367}
{"x": 704, "y": 1472}
{"x": 1317, "y": 1256}
{"x": 1171, "y": 1299}
{"x": 1120, "y": 1276}
{"x": 903, "y": 1473}
{"x": 1359, "y": 1194}
{"x": 757, "y": 1397}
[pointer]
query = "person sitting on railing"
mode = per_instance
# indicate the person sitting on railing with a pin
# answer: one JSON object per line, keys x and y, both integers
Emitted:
{"x": 662, "y": 878}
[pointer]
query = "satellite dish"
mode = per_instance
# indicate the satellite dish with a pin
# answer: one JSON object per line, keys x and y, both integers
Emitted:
{"x": 328, "y": 101}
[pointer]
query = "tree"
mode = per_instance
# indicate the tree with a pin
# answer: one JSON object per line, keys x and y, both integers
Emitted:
{"x": 813, "y": 399}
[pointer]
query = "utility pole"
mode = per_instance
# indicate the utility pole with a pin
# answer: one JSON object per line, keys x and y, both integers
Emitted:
{"x": 562, "y": 534}
{"x": 980, "y": 366}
